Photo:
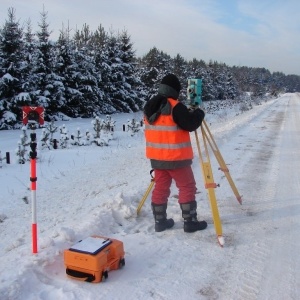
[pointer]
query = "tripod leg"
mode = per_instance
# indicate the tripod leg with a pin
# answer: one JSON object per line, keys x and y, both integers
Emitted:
{"x": 210, "y": 186}
{"x": 145, "y": 197}
{"x": 220, "y": 159}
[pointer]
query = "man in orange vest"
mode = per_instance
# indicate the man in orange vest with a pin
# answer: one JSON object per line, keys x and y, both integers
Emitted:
{"x": 168, "y": 124}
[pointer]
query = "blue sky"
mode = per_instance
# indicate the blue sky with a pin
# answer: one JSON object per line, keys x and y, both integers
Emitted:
{"x": 252, "y": 33}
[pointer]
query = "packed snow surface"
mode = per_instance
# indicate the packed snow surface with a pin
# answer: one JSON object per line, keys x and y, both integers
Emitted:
{"x": 95, "y": 190}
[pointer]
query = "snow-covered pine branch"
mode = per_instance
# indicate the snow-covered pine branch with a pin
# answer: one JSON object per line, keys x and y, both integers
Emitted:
{"x": 77, "y": 138}
{"x": 88, "y": 137}
{"x": 23, "y": 143}
{"x": 98, "y": 139}
{"x": 133, "y": 126}
{"x": 45, "y": 139}
{"x": 64, "y": 137}
{"x": 51, "y": 128}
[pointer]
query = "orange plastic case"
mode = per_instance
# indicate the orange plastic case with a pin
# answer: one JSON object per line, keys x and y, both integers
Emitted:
{"x": 92, "y": 258}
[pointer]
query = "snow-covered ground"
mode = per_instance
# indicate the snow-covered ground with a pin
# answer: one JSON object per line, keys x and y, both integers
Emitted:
{"x": 84, "y": 191}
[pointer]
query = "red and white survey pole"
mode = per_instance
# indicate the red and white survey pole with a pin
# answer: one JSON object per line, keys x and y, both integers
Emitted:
{"x": 33, "y": 179}
{"x": 33, "y": 115}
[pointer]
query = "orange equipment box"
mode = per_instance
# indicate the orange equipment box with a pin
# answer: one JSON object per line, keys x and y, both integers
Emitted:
{"x": 92, "y": 258}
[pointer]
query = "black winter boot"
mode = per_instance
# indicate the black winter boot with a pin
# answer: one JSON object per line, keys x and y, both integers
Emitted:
{"x": 189, "y": 214}
{"x": 160, "y": 216}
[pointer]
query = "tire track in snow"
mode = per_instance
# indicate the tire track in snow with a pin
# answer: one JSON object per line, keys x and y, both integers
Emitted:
{"x": 283, "y": 280}
{"x": 260, "y": 171}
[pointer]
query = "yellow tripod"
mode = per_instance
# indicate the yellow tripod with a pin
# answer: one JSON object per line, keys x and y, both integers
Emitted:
{"x": 223, "y": 167}
{"x": 146, "y": 194}
{"x": 208, "y": 178}
{"x": 207, "y": 173}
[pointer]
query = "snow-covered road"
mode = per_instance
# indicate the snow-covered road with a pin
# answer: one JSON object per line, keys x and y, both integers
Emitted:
{"x": 262, "y": 258}
{"x": 92, "y": 190}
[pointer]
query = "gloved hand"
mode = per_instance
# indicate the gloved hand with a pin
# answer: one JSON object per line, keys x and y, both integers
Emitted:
{"x": 193, "y": 108}
{"x": 201, "y": 107}
{"x": 199, "y": 111}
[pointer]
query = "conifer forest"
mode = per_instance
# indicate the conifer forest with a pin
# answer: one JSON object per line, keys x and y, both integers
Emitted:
{"x": 93, "y": 72}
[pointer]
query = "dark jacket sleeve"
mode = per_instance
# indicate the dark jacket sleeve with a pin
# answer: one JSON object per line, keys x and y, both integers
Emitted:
{"x": 187, "y": 120}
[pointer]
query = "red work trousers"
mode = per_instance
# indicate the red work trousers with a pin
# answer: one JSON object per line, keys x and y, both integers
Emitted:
{"x": 184, "y": 180}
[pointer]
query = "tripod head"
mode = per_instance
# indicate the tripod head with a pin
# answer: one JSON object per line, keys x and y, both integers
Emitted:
{"x": 194, "y": 92}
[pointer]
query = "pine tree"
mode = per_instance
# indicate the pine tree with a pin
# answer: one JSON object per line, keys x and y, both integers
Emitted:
{"x": 208, "y": 83}
{"x": 66, "y": 68}
{"x": 64, "y": 137}
{"x": 77, "y": 138}
{"x": 48, "y": 88}
{"x": 231, "y": 87}
{"x": 23, "y": 143}
{"x": 99, "y": 139}
{"x": 99, "y": 42}
{"x": 155, "y": 64}
{"x": 45, "y": 139}
{"x": 11, "y": 72}
{"x": 133, "y": 96}
{"x": 117, "y": 90}
{"x": 179, "y": 68}
{"x": 97, "y": 73}
{"x": 108, "y": 127}
{"x": 88, "y": 137}
{"x": 29, "y": 49}
{"x": 51, "y": 128}
{"x": 133, "y": 126}
{"x": 87, "y": 74}
{"x": 97, "y": 126}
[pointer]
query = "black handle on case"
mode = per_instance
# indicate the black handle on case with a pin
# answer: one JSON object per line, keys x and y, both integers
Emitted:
{"x": 78, "y": 274}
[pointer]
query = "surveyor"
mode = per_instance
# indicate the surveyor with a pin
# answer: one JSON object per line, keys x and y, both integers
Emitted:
{"x": 168, "y": 123}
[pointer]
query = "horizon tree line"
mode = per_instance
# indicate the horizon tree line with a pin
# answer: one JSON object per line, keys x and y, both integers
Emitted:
{"x": 97, "y": 72}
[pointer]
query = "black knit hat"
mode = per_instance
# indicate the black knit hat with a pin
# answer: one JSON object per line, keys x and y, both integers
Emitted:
{"x": 170, "y": 86}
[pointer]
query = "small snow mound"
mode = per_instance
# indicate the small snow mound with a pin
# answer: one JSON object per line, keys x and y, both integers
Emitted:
{"x": 46, "y": 242}
{"x": 122, "y": 207}
{"x": 67, "y": 233}
{"x": 121, "y": 211}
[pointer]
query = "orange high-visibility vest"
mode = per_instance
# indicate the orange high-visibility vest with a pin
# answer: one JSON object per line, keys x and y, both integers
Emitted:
{"x": 165, "y": 140}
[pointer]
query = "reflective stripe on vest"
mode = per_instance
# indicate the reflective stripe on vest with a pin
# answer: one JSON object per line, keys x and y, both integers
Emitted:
{"x": 165, "y": 140}
{"x": 161, "y": 128}
{"x": 168, "y": 146}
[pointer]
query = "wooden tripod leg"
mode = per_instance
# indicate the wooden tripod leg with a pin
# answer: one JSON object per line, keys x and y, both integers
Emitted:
{"x": 220, "y": 160}
{"x": 145, "y": 196}
{"x": 210, "y": 185}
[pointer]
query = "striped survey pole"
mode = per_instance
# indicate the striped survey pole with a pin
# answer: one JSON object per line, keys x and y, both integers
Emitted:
{"x": 33, "y": 180}
{"x": 33, "y": 116}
